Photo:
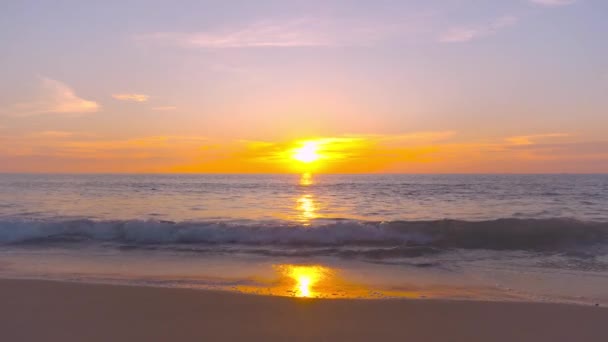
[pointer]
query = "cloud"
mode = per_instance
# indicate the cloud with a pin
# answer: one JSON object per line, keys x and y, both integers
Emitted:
{"x": 292, "y": 33}
{"x": 81, "y": 152}
{"x": 52, "y": 134}
{"x": 416, "y": 152}
{"x": 347, "y": 153}
{"x": 425, "y": 137}
{"x": 298, "y": 33}
{"x": 531, "y": 139}
{"x": 164, "y": 108}
{"x": 131, "y": 97}
{"x": 553, "y": 3}
{"x": 87, "y": 146}
{"x": 55, "y": 98}
{"x": 468, "y": 33}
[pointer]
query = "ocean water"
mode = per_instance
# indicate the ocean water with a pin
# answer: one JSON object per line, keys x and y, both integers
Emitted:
{"x": 495, "y": 237}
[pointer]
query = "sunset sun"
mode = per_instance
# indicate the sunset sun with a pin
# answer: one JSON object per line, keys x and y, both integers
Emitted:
{"x": 307, "y": 153}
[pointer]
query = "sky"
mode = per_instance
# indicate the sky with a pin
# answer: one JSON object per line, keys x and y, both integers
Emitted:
{"x": 452, "y": 86}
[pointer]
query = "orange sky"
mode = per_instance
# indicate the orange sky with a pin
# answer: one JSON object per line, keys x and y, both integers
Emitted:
{"x": 422, "y": 86}
{"x": 420, "y": 152}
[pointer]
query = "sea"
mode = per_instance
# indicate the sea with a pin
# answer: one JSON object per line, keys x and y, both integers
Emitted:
{"x": 479, "y": 237}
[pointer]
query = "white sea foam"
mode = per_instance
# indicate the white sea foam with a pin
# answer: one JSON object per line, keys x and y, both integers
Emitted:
{"x": 507, "y": 234}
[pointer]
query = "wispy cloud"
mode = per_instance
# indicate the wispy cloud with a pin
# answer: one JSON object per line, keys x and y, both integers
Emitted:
{"x": 291, "y": 33}
{"x": 164, "y": 108}
{"x": 295, "y": 33}
{"x": 425, "y": 137}
{"x": 257, "y": 35}
{"x": 468, "y": 33}
{"x": 52, "y": 134}
{"x": 87, "y": 146}
{"x": 373, "y": 150}
{"x": 532, "y": 139}
{"x": 54, "y": 97}
{"x": 131, "y": 97}
{"x": 414, "y": 152}
{"x": 553, "y": 3}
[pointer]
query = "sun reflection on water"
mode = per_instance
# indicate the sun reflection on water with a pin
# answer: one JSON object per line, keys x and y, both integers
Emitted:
{"x": 306, "y": 179}
{"x": 306, "y": 207}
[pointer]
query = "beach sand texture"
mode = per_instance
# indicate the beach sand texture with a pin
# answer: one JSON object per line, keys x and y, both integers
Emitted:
{"x": 34, "y": 310}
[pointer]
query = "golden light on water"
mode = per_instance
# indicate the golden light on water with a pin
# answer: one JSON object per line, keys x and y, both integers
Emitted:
{"x": 306, "y": 179}
{"x": 305, "y": 204}
{"x": 306, "y": 207}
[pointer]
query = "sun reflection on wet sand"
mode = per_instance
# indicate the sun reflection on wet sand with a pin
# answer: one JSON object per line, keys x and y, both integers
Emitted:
{"x": 305, "y": 278}
{"x": 314, "y": 281}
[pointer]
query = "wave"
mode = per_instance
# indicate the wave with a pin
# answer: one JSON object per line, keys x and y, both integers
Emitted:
{"x": 501, "y": 234}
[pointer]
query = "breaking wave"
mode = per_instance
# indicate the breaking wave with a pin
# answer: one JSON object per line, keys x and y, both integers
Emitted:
{"x": 501, "y": 234}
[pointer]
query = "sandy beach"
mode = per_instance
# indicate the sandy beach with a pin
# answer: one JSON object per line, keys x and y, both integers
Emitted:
{"x": 35, "y": 310}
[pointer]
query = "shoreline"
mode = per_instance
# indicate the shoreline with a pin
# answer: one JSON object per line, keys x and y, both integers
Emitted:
{"x": 210, "y": 289}
{"x": 54, "y": 310}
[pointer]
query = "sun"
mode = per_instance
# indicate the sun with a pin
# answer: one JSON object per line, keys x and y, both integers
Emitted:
{"x": 307, "y": 153}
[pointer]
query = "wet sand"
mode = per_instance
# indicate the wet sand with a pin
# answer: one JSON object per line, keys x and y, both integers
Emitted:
{"x": 33, "y": 310}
